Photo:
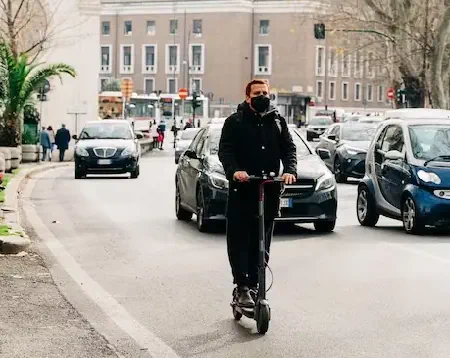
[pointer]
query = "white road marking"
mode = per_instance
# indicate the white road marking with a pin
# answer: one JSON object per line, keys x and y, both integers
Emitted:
{"x": 156, "y": 348}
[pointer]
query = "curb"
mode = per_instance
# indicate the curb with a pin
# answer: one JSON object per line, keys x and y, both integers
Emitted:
{"x": 10, "y": 208}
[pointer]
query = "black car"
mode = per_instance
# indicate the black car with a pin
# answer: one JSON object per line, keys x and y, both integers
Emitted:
{"x": 317, "y": 126}
{"x": 344, "y": 147}
{"x": 202, "y": 188}
{"x": 107, "y": 147}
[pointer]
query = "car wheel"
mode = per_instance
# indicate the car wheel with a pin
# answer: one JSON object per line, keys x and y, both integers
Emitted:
{"x": 203, "y": 224}
{"x": 135, "y": 173}
{"x": 79, "y": 174}
{"x": 410, "y": 217}
{"x": 181, "y": 213}
{"x": 340, "y": 178}
{"x": 325, "y": 226}
{"x": 365, "y": 208}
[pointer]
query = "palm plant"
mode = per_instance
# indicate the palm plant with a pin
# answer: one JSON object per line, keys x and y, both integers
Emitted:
{"x": 18, "y": 82}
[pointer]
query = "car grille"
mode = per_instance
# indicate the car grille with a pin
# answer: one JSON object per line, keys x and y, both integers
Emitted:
{"x": 103, "y": 152}
{"x": 301, "y": 189}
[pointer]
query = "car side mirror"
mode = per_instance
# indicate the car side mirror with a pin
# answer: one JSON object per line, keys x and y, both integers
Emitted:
{"x": 324, "y": 154}
{"x": 139, "y": 136}
{"x": 75, "y": 137}
{"x": 190, "y": 154}
{"x": 332, "y": 137}
{"x": 394, "y": 155}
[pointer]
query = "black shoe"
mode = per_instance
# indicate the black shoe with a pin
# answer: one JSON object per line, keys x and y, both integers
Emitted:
{"x": 244, "y": 297}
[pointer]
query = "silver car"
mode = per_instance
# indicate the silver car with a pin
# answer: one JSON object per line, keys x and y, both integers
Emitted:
{"x": 184, "y": 139}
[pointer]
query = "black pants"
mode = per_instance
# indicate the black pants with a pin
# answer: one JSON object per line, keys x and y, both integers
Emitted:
{"x": 243, "y": 249}
{"x": 61, "y": 155}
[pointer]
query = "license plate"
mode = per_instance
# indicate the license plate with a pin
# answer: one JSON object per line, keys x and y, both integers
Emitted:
{"x": 104, "y": 162}
{"x": 286, "y": 203}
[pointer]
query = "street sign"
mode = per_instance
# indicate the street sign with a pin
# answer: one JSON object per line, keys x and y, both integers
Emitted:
{"x": 391, "y": 93}
{"x": 127, "y": 88}
{"x": 183, "y": 93}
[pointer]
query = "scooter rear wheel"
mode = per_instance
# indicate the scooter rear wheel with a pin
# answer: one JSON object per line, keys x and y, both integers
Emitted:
{"x": 262, "y": 321}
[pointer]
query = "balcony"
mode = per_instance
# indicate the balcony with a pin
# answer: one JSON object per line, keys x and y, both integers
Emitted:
{"x": 149, "y": 69}
{"x": 196, "y": 69}
{"x": 172, "y": 69}
{"x": 262, "y": 70}
{"x": 105, "y": 69}
{"x": 126, "y": 69}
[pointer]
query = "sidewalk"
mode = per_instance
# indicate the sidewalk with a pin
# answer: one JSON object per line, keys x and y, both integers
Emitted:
{"x": 35, "y": 319}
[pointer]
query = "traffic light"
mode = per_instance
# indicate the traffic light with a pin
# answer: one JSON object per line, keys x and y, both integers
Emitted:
{"x": 195, "y": 102}
{"x": 319, "y": 31}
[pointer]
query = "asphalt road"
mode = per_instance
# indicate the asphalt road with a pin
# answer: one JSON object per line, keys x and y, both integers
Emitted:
{"x": 133, "y": 270}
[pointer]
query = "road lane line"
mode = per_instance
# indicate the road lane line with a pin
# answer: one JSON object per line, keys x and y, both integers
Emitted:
{"x": 156, "y": 348}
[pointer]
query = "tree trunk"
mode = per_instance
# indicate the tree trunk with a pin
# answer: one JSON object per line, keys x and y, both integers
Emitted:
{"x": 10, "y": 130}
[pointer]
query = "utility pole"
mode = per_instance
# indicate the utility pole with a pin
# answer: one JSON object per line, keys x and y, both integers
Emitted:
{"x": 326, "y": 73}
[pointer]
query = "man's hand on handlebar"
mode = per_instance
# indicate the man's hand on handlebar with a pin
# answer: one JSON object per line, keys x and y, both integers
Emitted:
{"x": 241, "y": 176}
{"x": 288, "y": 178}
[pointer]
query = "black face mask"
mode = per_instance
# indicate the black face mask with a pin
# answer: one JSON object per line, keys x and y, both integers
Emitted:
{"x": 260, "y": 103}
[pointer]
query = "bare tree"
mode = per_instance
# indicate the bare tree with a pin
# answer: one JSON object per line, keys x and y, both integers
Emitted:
{"x": 410, "y": 38}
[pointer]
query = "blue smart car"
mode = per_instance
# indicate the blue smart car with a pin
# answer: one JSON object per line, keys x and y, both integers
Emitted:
{"x": 408, "y": 172}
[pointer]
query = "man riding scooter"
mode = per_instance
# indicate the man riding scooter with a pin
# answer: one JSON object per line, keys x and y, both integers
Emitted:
{"x": 253, "y": 141}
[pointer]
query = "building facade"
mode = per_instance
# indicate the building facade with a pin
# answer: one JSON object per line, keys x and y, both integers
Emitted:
{"x": 218, "y": 46}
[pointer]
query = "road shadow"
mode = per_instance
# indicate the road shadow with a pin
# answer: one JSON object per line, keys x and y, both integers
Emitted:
{"x": 221, "y": 335}
{"x": 291, "y": 232}
{"x": 104, "y": 177}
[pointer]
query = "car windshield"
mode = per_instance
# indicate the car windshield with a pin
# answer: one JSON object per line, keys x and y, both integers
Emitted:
{"x": 188, "y": 135}
{"x": 321, "y": 121}
{"x": 430, "y": 141}
{"x": 358, "y": 133}
{"x": 302, "y": 149}
{"x": 107, "y": 131}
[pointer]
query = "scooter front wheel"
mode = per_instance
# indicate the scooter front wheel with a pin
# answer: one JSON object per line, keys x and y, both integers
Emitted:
{"x": 263, "y": 318}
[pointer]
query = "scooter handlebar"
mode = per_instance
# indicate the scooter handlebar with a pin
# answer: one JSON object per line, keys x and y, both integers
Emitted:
{"x": 262, "y": 178}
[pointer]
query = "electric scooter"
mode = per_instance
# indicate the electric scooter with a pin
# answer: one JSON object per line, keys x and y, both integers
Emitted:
{"x": 261, "y": 312}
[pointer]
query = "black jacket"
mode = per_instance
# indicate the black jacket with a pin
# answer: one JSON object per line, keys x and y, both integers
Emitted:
{"x": 256, "y": 145}
{"x": 62, "y": 138}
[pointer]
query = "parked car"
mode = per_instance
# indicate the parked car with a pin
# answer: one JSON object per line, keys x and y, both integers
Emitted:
{"x": 107, "y": 147}
{"x": 371, "y": 120}
{"x": 317, "y": 126}
{"x": 408, "y": 174}
{"x": 201, "y": 186}
{"x": 343, "y": 148}
{"x": 183, "y": 141}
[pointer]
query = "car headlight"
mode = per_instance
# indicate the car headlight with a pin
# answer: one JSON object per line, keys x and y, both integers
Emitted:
{"x": 218, "y": 181}
{"x": 129, "y": 151}
{"x": 429, "y": 177}
{"x": 326, "y": 181}
{"x": 354, "y": 151}
{"x": 82, "y": 152}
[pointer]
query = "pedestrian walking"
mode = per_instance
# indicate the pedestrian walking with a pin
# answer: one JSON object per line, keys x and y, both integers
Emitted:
{"x": 254, "y": 140}
{"x": 162, "y": 132}
{"x": 44, "y": 138}
{"x": 51, "y": 133}
{"x": 62, "y": 140}
{"x": 154, "y": 134}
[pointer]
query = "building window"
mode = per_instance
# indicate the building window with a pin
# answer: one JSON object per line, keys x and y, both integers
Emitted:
{"x": 149, "y": 56}
{"x": 128, "y": 28}
{"x": 196, "y": 85}
{"x": 345, "y": 91}
{"x": 357, "y": 91}
{"x": 369, "y": 92}
{"x": 103, "y": 83}
{"x": 358, "y": 65}
{"x": 380, "y": 93}
{"x": 172, "y": 85}
{"x": 172, "y": 59}
{"x": 127, "y": 59}
{"x": 106, "y": 28}
{"x": 264, "y": 27}
{"x": 332, "y": 91}
{"x": 320, "y": 61}
{"x": 345, "y": 64}
{"x": 106, "y": 59}
{"x": 197, "y": 27}
{"x": 319, "y": 89}
{"x": 197, "y": 58}
{"x": 332, "y": 63}
{"x": 173, "y": 26}
{"x": 149, "y": 85}
{"x": 263, "y": 59}
{"x": 370, "y": 65}
{"x": 151, "y": 27}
